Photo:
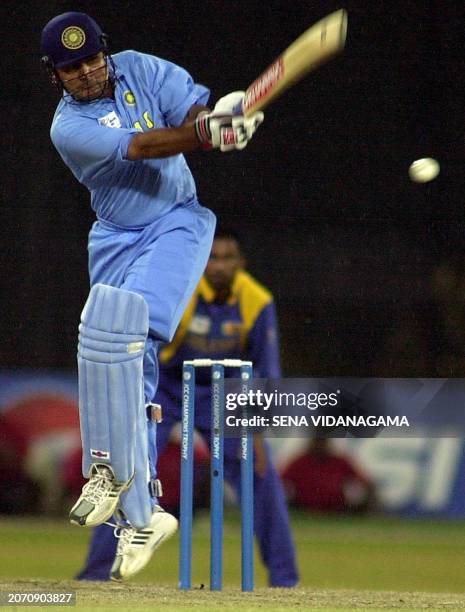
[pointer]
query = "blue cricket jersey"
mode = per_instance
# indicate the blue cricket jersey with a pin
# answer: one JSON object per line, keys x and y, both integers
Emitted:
{"x": 93, "y": 138}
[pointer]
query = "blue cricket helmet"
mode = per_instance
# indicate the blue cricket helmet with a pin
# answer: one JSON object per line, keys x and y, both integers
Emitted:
{"x": 71, "y": 37}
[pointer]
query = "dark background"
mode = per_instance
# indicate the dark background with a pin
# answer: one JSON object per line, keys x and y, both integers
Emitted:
{"x": 364, "y": 264}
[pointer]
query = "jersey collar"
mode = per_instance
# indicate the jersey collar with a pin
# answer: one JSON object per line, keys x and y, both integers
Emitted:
{"x": 207, "y": 292}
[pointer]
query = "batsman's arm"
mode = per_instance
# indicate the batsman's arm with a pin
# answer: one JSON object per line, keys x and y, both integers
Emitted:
{"x": 194, "y": 113}
{"x": 165, "y": 142}
{"x": 200, "y": 130}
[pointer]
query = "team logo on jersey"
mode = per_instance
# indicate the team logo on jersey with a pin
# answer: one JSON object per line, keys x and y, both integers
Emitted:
{"x": 231, "y": 328}
{"x": 73, "y": 37}
{"x": 111, "y": 120}
{"x": 129, "y": 98}
{"x": 200, "y": 324}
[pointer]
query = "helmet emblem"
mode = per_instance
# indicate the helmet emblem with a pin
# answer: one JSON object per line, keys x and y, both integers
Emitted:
{"x": 73, "y": 37}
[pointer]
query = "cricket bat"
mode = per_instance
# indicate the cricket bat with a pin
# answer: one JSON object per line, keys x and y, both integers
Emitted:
{"x": 314, "y": 47}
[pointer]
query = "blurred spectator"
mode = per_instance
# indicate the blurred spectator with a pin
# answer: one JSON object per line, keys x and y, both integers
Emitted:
{"x": 321, "y": 481}
{"x": 429, "y": 340}
{"x": 448, "y": 287}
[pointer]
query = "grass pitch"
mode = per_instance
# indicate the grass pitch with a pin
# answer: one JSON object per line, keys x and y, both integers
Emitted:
{"x": 345, "y": 563}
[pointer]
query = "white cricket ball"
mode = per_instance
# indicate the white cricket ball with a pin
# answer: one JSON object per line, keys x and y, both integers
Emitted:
{"x": 424, "y": 170}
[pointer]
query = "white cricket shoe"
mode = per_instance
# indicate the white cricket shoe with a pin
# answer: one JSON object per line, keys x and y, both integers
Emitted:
{"x": 99, "y": 497}
{"x": 136, "y": 546}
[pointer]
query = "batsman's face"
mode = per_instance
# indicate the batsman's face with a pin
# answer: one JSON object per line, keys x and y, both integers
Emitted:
{"x": 86, "y": 79}
{"x": 225, "y": 260}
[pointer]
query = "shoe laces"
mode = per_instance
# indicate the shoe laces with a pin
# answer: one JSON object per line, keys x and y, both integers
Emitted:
{"x": 98, "y": 487}
{"x": 124, "y": 535}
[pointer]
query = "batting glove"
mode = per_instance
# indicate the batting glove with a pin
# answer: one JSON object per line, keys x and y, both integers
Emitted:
{"x": 225, "y": 131}
{"x": 230, "y": 103}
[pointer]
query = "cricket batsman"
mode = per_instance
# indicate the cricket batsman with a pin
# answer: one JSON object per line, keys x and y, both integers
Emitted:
{"x": 122, "y": 126}
{"x": 230, "y": 316}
